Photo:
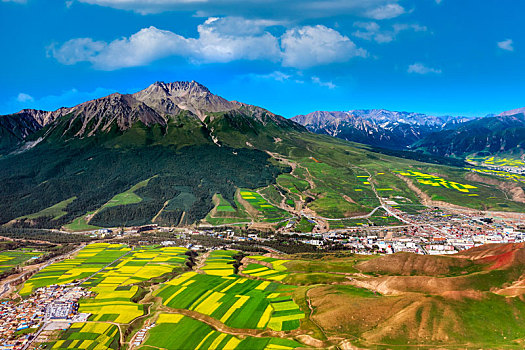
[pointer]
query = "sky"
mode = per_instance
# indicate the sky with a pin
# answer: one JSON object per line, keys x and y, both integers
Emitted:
{"x": 440, "y": 57}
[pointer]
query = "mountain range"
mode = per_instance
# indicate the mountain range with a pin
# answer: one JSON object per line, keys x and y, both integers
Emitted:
{"x": 176, "y": 154}
{"x": 155, "y": 105}
{"x": 439, "y": 135}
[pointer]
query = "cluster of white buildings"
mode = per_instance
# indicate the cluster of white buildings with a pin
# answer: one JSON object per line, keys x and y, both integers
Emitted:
{"x": 19, "y": 321}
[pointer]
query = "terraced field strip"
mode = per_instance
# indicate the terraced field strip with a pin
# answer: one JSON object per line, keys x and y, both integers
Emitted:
{"x": 266, "y": 211}
{"x": 117, "y": 284}
{"x": 235, "y": 301}
{"x": 220, "y": 263}
{"x": 88, "y": 261}
{"x": 12, "y": 258}
{"x": 175, "y": 331}
{"x": 277, "y": 272}
{"x": 89, "y": 336}
{"x": 224, "y": 213}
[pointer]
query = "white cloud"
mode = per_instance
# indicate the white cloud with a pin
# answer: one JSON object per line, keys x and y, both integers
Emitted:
{"x": 22, "y": 97}
{"x": 276, "y": 75}
{"x": 373, "y": 31}
{"x": 290, "y": 9}
{"x": 309, "y": 46}
{"x": 328, "y": 84}
{"x": 220, "y": 40}
{"x": 77, "y": 50}
{"x": 385, "y": 12}
{"x": 420, "y": 68}
{"x": 217, "y": 42}
{"x": 506, "y": 45}
{"x": 16, "y": 1}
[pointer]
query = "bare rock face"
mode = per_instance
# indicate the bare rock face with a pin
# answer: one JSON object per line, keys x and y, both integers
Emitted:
{"x": 124, "y": 110}
{"x": 42, "y": 118}
{"x": 153, "y": 105}
{"x": 376, "y": 126}
{"x": 513, "y": 112}
{"x": 170, "y": 98}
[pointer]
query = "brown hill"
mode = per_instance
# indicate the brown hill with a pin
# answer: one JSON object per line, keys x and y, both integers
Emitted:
{"x": 407, "y": 264}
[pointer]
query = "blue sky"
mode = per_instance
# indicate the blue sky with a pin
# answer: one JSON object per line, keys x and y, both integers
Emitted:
{"x": 292, "y": 57}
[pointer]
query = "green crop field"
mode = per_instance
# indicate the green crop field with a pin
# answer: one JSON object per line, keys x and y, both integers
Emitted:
{"x": 89, "y": 336}
{"x": 12, "y": 258}
{"x": 174, "y": 331}
{"x": 267, "y": 212}
{"x": 88, "y": 261}
{"x": 225, "y": 213}
{"x": 127, "y": 197}
{"x": 235, "y": 301}
{"x": 220, "y": 263}
{"x": 117, "y": 284}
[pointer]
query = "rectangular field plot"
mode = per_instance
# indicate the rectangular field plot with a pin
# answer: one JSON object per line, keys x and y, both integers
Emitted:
{"x": 267, "y": 212}
{"x": 116, "y": 285}
{"x": 175, "y": 332}
{"x": 235, "y": 301}
{"x": 89, "y": 336}
{"x": 220, "y": 263}
{"x": 225, "y": 213}
{"x": 276, "y": 273}
{"x": 12, "y": 258}
{"x": 88, "y": 261}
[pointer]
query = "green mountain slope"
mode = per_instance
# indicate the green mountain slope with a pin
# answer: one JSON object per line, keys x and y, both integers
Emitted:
{"x": 493, "y": 135}
{"x": 194, "y": 146}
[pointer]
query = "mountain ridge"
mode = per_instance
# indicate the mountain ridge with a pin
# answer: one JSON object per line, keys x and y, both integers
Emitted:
{"x": 377, "y": 127}
{"x": 157, "y": 104}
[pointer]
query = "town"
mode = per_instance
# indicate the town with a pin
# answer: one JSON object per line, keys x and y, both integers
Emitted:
{"x": 47, "y": 309}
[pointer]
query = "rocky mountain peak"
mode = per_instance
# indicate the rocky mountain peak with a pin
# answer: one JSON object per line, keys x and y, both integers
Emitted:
{"x": 513, "y": 112}
{"x": 170, "y": 98}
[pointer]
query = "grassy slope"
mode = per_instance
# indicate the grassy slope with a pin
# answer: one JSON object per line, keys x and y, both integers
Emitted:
{"x": 55, "y": 211}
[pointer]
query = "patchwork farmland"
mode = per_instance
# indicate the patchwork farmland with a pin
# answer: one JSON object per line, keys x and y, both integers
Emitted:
{"x": 13, "y": 258}
{"x": 153, "y": 284}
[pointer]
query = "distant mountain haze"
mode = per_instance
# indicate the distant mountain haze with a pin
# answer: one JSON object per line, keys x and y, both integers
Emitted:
{"x": 377, "y": 127}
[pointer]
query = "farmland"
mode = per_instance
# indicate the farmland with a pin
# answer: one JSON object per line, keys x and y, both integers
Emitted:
{"x": 273, "y": 269}
{"x": 235, "y": 301}
{"x": 175, "y": 331}
{"x": 265, "y": 211}
{"x": 89, "y": 336}
{"x": 274, "y": 300}
{"x": 436, "y": 181}
{"x": 220, "y": 263}
{"x": 88, "y": 261}
{"x": 118, "y": 284}
{"x": 504, "y": 174}
{"x": 497, "y": 161}
{"x": 225, "y": 213}
{"x": 12, "y": 258}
